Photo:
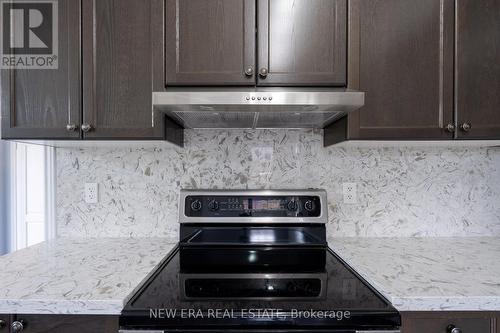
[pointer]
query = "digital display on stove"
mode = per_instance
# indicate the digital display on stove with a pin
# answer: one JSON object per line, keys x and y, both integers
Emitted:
{"x": 271, "y": 204}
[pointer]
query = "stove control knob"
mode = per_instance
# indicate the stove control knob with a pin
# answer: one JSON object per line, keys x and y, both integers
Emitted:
{"x": 213, "y": 205}
{"x": 292, "y": 205}
{"x": 309, "y": 205}
{"x": 196, "y": 205}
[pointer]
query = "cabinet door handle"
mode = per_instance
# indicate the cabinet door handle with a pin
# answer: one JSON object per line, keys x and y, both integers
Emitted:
{"x": 450, "y": 128}
{"x": 71, "y": 127}
{"x": 453, "y": 329}
{"x": 465, "y": 127}
{"x": 86, "y": 128}
{"x": 249, "y": 71}
{"x": 263, "y": 72}
{"x": 17, "y": 326}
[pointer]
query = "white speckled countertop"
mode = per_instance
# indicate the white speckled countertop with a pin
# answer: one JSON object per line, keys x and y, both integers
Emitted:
{"x": 428, "y": 274}
{"x": 78, "y": 276}
{"x": 98, "y": 276}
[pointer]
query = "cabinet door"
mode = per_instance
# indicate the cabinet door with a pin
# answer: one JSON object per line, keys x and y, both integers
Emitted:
{"x": 210, "y": 42}
{"x": 478, "y": 69}
{"x": 302, "y": 42}
{"x": 68, "y": 323}
{"x": 401, "y": 56}
{"x": 39, "y": 103}
{"x": 440, "y": 325}
{"x": 122, "y": 66}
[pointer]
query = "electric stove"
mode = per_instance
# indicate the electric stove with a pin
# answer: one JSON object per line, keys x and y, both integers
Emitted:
{"x": 256, "y": 261}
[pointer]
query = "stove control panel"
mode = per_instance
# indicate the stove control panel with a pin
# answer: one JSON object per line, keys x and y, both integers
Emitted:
{"x": 252, "y": 206}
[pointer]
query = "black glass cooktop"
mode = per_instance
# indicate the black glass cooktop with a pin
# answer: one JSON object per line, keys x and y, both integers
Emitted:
{"x": 334, "y": 297}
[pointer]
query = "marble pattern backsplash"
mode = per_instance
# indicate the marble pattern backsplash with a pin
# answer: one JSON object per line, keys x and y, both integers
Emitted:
{"x": 402, "y": 191}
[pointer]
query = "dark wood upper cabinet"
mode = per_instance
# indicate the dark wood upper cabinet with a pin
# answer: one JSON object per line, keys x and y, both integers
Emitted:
{"x": 210, "y": 42}
{"x": 401, "y": 56}
{"x": 40, "y": 103}
{"x": 302, "y": 42}
{"x": 430, "y": 69}
{"x": 299, "y": 43}
{"x": 477, "y": 80}
{"x": 123, "y": 45}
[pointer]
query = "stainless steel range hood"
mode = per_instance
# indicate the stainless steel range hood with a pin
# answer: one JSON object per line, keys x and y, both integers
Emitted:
{"x": 256, "y": 107}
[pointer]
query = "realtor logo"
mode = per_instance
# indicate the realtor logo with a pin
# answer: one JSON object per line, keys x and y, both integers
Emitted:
{"x": 29, "y": 34}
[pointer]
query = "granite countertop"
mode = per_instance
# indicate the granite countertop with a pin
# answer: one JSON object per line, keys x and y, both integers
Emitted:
{"x": 99, "y": 275}
{"x": 78, "y": 276}
{"x": 428, "y": 274}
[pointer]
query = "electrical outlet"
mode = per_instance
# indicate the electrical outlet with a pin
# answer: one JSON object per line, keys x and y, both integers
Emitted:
{"x": 350, "y": 193}
{"x": 91, "y": 193}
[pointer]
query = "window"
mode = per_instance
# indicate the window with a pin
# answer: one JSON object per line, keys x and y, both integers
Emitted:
{"x": 4, "y": 196}
{"x": 32, "y": 198}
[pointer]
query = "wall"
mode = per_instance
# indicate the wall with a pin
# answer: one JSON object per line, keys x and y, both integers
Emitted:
{"x": 402, "y": 191}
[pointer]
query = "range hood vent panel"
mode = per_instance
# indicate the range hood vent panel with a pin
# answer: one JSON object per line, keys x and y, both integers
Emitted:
{"x": 257, "y": 107}
{"x": 215, "y": 119}
{"x": 302, "y": 119}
